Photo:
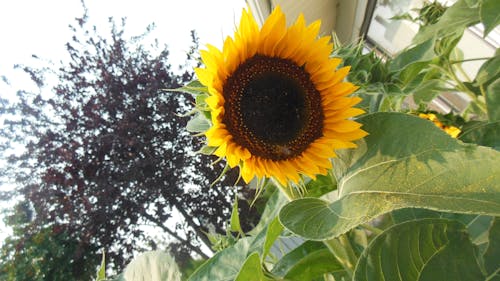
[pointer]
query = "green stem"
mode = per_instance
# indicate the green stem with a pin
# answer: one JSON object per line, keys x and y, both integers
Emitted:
{"x": 286, "y": 190}
{"x": 483, "y": 92}
{"x": 351, "y": 255}
{"x": 341, "y": 248}
{"x": 461, "y": 87}
{"x": 372, "y": 229}
{"x": 466, "y": 60}
{"x": 462, "y": 71}
{"x": 493, "y": 275}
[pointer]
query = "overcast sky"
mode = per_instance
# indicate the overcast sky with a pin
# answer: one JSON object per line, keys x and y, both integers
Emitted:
{"x": 41, "y": 27}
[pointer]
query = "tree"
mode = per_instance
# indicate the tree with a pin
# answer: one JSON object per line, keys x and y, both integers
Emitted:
{"x": 106, "y": 152}
{"x": 35, "y": 256}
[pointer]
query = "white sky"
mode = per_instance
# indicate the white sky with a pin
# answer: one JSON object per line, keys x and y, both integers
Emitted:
{"x": 41, "y": 27}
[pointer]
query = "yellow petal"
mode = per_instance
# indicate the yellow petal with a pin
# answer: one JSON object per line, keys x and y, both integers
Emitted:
{"x": 336, "y": 116}
{"x": 247, "y": 171}
{"x": 205, "y": 76}
{"x": 214, "y": 102}
{"x": 343, "y": 126}
{"x": 272, "y": 31}
{"x": 232, "y": 157}
{"x": 345, "y": 136}
{"x": 336, "y": 79}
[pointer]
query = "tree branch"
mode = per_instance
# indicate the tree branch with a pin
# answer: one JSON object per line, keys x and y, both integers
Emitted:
{"x": 195, "y": 226}
{"x": 173, "y": 234}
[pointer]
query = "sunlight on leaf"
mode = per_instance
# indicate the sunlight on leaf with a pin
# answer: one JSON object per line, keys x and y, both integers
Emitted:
{"x": 404, "y": 162}
{"x": 426, "y": 249}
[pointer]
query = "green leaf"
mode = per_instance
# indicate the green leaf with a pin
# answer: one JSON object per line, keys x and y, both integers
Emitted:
{"x": 101, "y": 272}
{"x": 273, "y": 206}
{"x": 489, "y": 71}
{"x": 225, "y": 265}
{"x": 454, "y": 20}
{"x": 409, "y": 214}
{"x": 490, "y": 15}
{"x": 322, "y": 185}
{"x": 207, "y": 150}
{"x": 306, "y": 262}
{"x": 198, "y": 124}
{"x": 482, "y": 133}
{"x": 492, "y": 255}
{"x": 477, "y": 225}
{"x": 200, "y": 101}
{"x": 273, "y": 232}
{"x": 235, "y": 218}
{"x": 420, "y": 53}
{"x": 404, "y": 162}
{"x": 194, "y": 88}
{"x": 427, "y": 91}
{"x": 427, "y": 249}
{"x": 411, "y": 75}
{"x": 493, "y": 100}
{"x": 446, "y": 44}
{"x": 251, "y": 270}
{"x": 472, "y": 3}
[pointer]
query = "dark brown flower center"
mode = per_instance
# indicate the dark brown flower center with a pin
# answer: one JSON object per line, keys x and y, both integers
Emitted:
{"x": 272, "y": 108}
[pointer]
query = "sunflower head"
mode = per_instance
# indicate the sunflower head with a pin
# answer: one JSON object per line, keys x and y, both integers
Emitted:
{"x": 278, "y": 104}
{"x": 447, "y": 128}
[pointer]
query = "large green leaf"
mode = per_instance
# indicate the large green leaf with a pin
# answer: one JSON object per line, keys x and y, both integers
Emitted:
{"x": 488, "y": 81}
{"x": 306, "y": 262}
{"x": 482, "y": 133}
{"x": 415, "y": 55}
{"x": 477, "y": 225}
{"x": 409, "y": 214}
{"x": 251, "y": 270}
{"x": 404, "y": 162}
{"x": 492, "y": 255}
{"x": 490, "y": 15}
{"x": 454, "y": 20}
{"x": 427, "y": 91}
{"x": 225, "y": 265}
{"x": 493, "y": 100}
{"x": 489, "y": 71}
{"x": 265, "y": 239}
{"x": 273, "y": 206}
{"x": 427, "y": 249}
{"x": 274, "y": 230}
{"x": 234, "y": 260}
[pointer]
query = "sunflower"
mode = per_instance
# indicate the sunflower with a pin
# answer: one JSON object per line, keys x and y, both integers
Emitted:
{"x": 450, "y": 130}
{"x": 279, "y": 106}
